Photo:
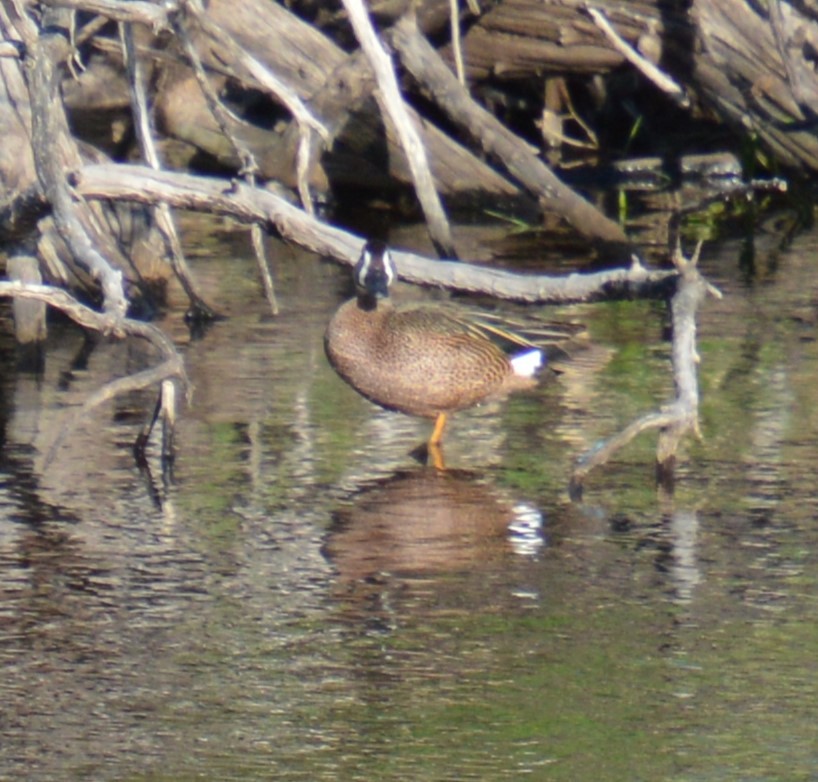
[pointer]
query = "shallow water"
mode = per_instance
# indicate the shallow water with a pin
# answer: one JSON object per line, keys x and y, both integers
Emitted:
{"x": 301, "y": 600}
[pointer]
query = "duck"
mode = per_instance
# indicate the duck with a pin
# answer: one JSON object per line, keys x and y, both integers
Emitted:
{"x": 423, "y": 360}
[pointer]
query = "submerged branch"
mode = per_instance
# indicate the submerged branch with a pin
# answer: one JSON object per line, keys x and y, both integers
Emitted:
{"x": 681, "y": 416}
{"x": 171, "y": 367}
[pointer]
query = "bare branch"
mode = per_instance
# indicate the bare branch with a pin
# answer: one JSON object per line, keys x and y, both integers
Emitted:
{"x": 171, "y": 366}
{"x": 642, "y": 64}
{"x": 144, "y": 133}
{"x": 680, "y": 417}
{"x": 392, "y": 103}
{"x": 249, "y": 165}
{"x": 137, "y": 183}
{"x": 425, "y": 64}
{"x": 154, "y": 15}
{"x": 54, "y": 152}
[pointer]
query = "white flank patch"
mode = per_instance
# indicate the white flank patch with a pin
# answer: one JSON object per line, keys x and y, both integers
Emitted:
{"x": 527, "y": 364}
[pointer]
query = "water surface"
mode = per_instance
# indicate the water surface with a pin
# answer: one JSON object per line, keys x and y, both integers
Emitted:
{"x": 302, "y": 600}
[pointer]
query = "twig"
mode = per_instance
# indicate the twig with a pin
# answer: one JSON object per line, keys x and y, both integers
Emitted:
{"x": 269, "y": 81}
{"x": 642, "y": 64}
{"x": 391, "y": 102}
{"x": 144, "y": 134}
{"x": 454, "y": 23}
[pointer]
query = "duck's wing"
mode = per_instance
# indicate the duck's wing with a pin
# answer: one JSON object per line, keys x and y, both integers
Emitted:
{"x": 558, "y": 340}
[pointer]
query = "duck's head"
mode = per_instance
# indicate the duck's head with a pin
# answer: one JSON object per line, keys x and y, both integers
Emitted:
{"x": 375, "y": 271}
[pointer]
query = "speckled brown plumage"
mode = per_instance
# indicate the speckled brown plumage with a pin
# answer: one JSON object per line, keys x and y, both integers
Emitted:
{"x": 421, "y": 360}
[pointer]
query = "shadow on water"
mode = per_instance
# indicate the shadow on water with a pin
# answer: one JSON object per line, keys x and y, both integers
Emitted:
{"x": 301, "y": 601}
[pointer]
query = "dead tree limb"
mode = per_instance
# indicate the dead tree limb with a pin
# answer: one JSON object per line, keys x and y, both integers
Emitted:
{"x": 111, "y": 324}
{"x": 391, "y": 102}
{"x": 144, "y": 134}
{"x": 650, "y": 71}
{"x": 681, "y": 416}
{"x": 53, "y": 149}
{"x": 153, "y": 15}
{"x": 249, "y": 165}
{"x": 137, "y": 183}
{"x": 306, "y": 122}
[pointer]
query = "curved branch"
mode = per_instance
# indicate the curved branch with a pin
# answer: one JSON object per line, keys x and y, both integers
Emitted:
{"x": 103, "y": 322}
{"x": 171, "y": 366}
{"x": 137, "y": 183}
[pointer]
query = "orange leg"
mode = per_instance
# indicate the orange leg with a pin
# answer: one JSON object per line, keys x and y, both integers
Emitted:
{"x": 436, "y": 455}
{"x": 437, "y": 432}
{"x": 435, "y": 451}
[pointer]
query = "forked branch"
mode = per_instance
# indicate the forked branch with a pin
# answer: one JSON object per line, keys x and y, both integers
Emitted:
{"x": 681, "y": 416}
{"x": 171, "y": 365}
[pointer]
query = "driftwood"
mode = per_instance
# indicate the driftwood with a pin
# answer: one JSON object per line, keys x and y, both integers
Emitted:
{"x": 137, "y": 183}
{"x": 515, "y": 155}
{"x": 681, "y": 416}
{"x": 171, "y": 365}
{"x": 750, "y": 63}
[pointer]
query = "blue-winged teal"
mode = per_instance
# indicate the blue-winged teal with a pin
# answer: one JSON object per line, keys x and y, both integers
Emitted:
{"x": 422, "y": 360}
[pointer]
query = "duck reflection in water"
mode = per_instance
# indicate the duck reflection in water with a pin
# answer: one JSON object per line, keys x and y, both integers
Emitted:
{"x": 427, "y": 522}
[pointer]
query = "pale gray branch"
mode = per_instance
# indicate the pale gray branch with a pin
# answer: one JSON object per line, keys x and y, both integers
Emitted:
{"x": 154, "y": 15}
{"x": 642, "y": 64}
{"x": 391, "y": 102}
{"x": 137, "y": 183}
{"x": 681, "y": 416}
{"x": 171, "y": 366}
{"x": 514, "y": 154}
{"x": 144, "y": 134}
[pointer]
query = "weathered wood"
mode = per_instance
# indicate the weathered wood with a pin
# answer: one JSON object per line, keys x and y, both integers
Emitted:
{"x": 681, "y": 416}
{"x": 29, "y": 315}
{"x": 248, "y": 204}
{"x": 54, "y": 150}
{"x": 515, "y": 155}
{"x": 749, "y": 62}
{"x": 145, "y": 136}
{"x": 315, "y": 67}
{"x": 393, "y": 106}
{"x": 761, "y": 76}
